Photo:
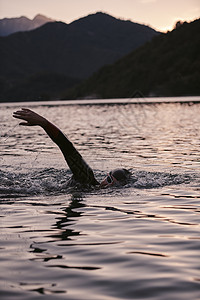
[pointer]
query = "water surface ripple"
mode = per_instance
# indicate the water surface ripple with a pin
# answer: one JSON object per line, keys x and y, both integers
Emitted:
{"x": 141, "y": 241}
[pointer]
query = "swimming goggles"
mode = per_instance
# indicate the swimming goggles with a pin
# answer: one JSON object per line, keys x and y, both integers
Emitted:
{"x": 110, "y": 179}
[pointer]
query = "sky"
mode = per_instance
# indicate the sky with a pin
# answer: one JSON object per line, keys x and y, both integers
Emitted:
{"x": 159, "y": 14}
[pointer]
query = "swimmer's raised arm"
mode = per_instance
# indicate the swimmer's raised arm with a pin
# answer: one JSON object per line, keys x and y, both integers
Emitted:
{"x": 81, "y": 171}
{"x": 31, "y": 118}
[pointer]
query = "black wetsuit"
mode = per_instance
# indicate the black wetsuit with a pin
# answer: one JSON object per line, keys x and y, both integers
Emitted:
{"x": 82, "y": 173}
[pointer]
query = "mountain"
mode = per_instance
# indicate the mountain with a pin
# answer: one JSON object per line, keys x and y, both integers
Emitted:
{"x": 12, "y": 25}
{"x": 75, "y": 50}
{"x": 169, "y": 65}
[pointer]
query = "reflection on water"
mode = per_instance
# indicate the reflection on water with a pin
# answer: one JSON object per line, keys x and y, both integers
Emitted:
{"x": 138, "y": 242}
{"x": 65, "y": 233}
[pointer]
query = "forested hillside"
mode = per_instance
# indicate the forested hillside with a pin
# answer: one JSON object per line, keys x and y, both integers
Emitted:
{"x": 169, "y": 65}
{"x": 45, "y": 62}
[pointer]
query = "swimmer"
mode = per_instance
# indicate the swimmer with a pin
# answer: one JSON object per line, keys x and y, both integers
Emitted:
{"x": 81, "y": 171}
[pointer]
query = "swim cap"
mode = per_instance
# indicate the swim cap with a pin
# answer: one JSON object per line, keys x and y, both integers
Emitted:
{"x": 122, "y": 175}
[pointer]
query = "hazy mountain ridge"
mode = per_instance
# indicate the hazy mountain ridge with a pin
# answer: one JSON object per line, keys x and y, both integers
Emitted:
{"x": 73, "y": 50}
{"x": 12, "y": 25}
{"x": 169, "y": 65}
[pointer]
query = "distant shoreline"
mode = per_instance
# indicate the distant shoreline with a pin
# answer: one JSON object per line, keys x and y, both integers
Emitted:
{"x": 147, "y": 100}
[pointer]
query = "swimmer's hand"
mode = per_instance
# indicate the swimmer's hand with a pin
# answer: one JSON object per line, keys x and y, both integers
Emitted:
{"x": 30, "y": 117}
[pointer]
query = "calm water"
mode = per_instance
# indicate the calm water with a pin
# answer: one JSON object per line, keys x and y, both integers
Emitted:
{"x": 138, "y": 242}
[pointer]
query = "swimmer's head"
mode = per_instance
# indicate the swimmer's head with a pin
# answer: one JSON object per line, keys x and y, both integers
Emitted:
{"x": 117, "y": 176}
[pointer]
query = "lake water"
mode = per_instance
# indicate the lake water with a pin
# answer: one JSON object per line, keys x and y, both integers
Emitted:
{"x": 141, "y": 241}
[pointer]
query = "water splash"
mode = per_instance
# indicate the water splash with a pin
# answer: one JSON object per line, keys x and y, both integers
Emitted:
{"x": 53, "y": 181}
